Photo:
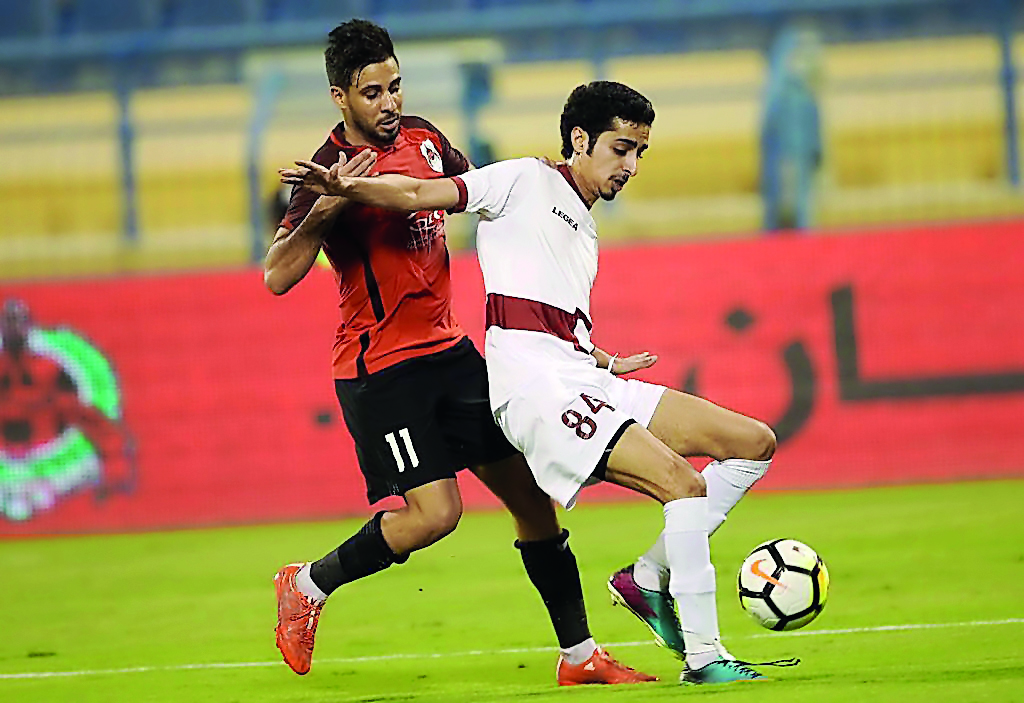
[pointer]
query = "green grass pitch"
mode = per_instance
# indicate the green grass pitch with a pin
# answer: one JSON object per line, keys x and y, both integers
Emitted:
{"x": 189, "y": 616}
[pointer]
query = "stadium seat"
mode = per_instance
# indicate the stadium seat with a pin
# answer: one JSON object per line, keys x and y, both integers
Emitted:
{"x": 539, "y": 80}
{"x": 913, "y": 131}
{"x": 679, "y": 75}
{"x": 708, "y": 108}
{"x": 889, "y": 59}
{"x": 35, "y": 129}
{"x": 917, "y": 202}
{"x": 520, "y": 120}
{"x": 190, "y": 157}
{"x": 913, "y": 112}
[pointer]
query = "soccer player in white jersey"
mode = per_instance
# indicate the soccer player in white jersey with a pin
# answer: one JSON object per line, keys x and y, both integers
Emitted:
{"x": 560, "y": 399}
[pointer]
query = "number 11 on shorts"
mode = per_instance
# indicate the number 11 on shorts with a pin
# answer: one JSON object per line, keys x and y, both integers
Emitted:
{"x": 407, "y": 441}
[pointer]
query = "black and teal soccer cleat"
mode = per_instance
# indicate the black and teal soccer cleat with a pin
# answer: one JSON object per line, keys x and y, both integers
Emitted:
{"x": 720, "y": 671}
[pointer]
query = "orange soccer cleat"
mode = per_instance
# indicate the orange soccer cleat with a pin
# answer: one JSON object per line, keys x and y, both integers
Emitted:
{"x": 600, "y": 668}
{"x": 297, "y": 617}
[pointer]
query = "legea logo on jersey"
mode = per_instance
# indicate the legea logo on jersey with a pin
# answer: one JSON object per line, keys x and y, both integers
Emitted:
{"x": 569, "y": 220}
{"x": 60, "y": 418}
{"x": 432, "y": 156}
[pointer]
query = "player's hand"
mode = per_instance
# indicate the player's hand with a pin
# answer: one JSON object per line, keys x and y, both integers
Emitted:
{"x": 627, "y": 364}
{"x": 328, "y": 181}
{"x": 310, "y": 175}
{"x": 361, "y": 164}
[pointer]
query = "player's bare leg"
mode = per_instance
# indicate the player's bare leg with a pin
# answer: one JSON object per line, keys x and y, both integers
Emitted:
{"x": 642, "y": 462}
{"x": 431, "y": 512}
{"x": 531, "y": 508}
{"x": 551, "y": 566}
{"x": 742, "y": 448}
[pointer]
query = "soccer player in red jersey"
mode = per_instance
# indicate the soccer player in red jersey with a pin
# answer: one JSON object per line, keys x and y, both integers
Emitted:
{"x": 412, "y": 387}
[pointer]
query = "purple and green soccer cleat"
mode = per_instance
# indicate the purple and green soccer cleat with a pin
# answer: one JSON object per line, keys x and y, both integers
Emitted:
{"x": 655, "y": 609}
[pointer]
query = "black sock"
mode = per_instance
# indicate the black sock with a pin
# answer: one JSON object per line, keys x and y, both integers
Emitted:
{"x": 364, "y": 553}
{"x": 551, "y": 566}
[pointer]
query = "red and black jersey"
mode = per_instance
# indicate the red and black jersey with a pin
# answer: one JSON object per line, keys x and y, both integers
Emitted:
{"x": 392, "y": 267}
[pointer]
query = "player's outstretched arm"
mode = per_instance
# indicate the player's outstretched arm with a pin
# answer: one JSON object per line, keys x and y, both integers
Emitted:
{"x": 292, "y": 253}
{"x": 389, "y": 191}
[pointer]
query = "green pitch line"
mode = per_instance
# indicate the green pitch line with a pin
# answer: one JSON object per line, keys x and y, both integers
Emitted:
{"x": 916, "y": 571}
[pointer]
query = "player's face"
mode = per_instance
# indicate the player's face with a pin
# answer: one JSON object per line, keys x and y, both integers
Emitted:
{"x": 372, "y": 105}
{"x": 615, "y": 157}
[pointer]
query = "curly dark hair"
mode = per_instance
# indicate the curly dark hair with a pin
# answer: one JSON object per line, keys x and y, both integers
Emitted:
{"x": 353, "y": 46}
{"x": 594, "y": 106}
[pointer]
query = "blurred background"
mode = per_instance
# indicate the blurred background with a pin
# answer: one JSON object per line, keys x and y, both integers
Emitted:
{"x": 826, "y": 232}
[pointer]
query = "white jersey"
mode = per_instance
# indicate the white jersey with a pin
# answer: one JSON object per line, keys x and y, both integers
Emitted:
{"x": 537, "y": 245}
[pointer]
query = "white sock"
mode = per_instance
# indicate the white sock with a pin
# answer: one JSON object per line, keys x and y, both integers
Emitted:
{"x": 727, "y": 482}
{"x": 651, "y": 570}
{"x": 692, "y": 580}
{"x": 579, "y": 653}
{"x": 306, "y": 587}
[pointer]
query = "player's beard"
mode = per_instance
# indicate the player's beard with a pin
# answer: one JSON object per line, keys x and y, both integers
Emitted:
{"x": 611, "y": 192}
{"x": 379, "y": 134}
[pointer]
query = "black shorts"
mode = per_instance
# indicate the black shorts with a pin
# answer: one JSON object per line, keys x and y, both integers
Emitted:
{"x": 422, "y": 420}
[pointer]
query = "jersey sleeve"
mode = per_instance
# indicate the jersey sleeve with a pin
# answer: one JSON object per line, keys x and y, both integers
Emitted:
{"x": 303, "y": 199}
{"x": 486, "y": 191}
{"x": 453, "y": 162}
{"x": 299, "y": 205}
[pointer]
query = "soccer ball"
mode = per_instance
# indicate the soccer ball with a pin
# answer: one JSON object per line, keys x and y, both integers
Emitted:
{"x": 783, "y": 584}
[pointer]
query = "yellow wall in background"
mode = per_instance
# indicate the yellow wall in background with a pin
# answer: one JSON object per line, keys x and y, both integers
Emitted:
{"x": 913, "y": 130}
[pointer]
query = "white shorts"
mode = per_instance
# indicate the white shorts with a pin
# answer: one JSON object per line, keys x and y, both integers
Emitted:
{"x": 565, "y": 421}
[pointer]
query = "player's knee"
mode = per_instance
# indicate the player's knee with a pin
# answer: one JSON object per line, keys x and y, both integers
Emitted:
{"x": 680, "y": 481}
{"x": 441, "y": 521}
{"x": 694, "y": 484}
{"x": 763, "y": 442}
{"x": 753, "y": 440}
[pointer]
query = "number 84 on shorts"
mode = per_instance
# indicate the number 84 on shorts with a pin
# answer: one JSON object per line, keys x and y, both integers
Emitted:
{"x": 585, "y": 424}
{"x": 564, "y": 431}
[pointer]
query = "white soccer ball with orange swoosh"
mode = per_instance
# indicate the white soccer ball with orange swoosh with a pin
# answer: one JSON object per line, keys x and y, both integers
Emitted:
{"x": 783, "y": 584}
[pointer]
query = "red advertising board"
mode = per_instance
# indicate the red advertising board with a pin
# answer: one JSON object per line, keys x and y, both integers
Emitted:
{"x": 884, "y": 357}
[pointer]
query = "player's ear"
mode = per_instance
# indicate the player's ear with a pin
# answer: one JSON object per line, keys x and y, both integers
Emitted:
{"x": 338, "y": 96}
{"x": 580, "y": 141}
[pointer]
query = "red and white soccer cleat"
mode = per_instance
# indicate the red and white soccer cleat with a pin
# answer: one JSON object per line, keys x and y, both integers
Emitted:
{"x": 297, "y": 617}
{"x": 600, "y": 668}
